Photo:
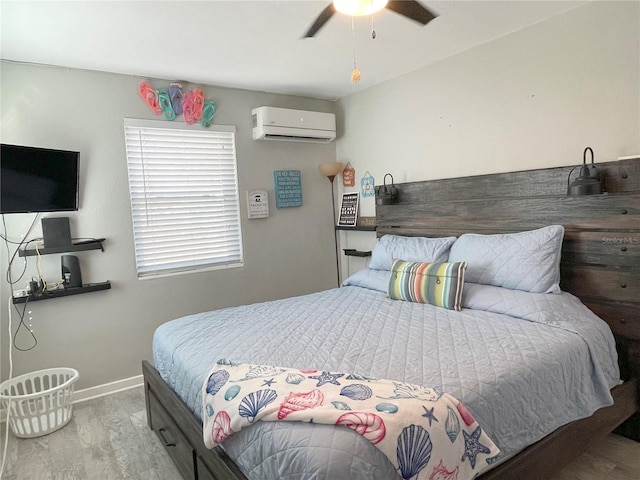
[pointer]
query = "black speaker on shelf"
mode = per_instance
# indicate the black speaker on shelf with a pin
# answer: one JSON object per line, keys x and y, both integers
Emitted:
{"x": 56, "y": 232}
{"x": 71, "y": 275}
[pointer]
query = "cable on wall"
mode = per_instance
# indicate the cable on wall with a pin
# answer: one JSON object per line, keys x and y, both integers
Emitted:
{"x": 10, "y": 400}
{"x": 9, "y": 276}
{"x": 11, "y": 283}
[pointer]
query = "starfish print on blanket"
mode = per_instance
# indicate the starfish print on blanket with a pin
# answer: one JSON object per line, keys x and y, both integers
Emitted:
{"x": 472, "y": 446}
{"x": 327, "y": 377}
{"x": 428, "y": 413}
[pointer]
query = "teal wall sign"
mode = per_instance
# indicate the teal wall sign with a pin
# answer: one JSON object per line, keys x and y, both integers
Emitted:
{"x": 288, "y": 188}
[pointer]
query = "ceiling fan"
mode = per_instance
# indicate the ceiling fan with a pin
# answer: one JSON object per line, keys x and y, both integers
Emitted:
{"x": 407, "y": 8}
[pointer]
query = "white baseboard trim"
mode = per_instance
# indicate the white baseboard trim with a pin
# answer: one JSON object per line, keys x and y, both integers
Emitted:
{"x": 97, "y": 391}
{"x": 107, "y": 389}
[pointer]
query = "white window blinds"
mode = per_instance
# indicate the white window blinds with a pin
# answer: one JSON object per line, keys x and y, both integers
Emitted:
{"x": 184, "y": 197}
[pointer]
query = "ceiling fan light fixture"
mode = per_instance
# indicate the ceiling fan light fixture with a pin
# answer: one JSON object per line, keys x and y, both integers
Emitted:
{"x": 359, "y": 7}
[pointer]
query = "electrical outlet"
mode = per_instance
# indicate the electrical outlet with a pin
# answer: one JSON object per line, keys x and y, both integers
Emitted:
{"x": 20, "y": 293}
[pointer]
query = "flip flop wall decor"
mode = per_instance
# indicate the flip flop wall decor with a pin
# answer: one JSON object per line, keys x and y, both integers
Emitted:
{"x": 191, "y": 105}
{"x": 165, "y": 104}
{"x": 175, "y": 93}
{"x": 208, "y": 111}
{"x": 198, "y": 104}
{"x": 188, "y": 108}
{"x": 150, "y": 97}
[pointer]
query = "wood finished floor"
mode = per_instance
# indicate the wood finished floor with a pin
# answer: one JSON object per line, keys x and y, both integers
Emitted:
{"x": 108, "y": 438}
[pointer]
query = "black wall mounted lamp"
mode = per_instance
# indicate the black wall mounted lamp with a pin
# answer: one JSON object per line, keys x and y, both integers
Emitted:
{"x": 588, "y": 182}
{"x": 386, "y": 194}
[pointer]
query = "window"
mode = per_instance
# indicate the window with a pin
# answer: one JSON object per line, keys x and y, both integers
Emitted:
{"x": 183, "y": 185}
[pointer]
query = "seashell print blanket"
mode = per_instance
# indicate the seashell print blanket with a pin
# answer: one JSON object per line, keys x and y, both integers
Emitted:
{"x": 424, "y": 433}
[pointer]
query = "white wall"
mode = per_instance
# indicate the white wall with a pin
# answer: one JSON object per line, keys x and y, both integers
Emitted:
{"x": 106, "y": 334}
{"x": 532, "y": 99}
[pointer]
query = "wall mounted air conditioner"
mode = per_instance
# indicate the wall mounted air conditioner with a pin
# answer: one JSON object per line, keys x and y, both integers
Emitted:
{"x": 271, "y": 123}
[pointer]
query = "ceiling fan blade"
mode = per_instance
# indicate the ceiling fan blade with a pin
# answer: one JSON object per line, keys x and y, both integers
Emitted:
{"x": 326, "y": 14}
{"x": 411, "y": 9}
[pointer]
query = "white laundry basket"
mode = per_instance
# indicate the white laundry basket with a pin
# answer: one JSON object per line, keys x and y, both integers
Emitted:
{"x": 39, "y": 402}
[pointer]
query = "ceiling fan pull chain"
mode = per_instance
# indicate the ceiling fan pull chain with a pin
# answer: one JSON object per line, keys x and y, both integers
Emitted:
{"x": 373, "y": 30}
{"x": 355, "y": 75}
{"x": 353, "y": 41}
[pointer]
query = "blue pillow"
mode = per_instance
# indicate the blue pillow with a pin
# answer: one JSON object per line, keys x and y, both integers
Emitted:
{"x": 411, "y": 249}
{"x": 528, "y": 261}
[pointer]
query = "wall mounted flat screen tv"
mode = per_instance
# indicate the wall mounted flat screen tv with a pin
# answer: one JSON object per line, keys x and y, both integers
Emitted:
{"x": 38, "y": 179}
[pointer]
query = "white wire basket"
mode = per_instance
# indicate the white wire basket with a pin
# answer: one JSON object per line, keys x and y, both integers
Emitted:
{"x": 39, "y": 402}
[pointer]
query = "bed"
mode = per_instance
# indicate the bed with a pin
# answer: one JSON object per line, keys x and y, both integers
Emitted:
{"x": 599, "y": 266}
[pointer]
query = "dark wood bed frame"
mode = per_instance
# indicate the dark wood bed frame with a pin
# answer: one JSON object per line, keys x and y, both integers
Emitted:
{"x": 600, "y": 265}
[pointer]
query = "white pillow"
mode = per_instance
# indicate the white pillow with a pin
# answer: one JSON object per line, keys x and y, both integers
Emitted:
{"x": 528, "y": 261}
{"x": 411, "y": 249}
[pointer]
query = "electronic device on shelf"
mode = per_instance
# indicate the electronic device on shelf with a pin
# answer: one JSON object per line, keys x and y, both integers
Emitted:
{"x": 70, "y": 271}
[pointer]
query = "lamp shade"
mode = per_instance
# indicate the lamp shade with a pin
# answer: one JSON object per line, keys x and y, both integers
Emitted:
{"x": 331, "y": 169}
{"x": 359, "y": 7}
{"x": 584, "y": 185}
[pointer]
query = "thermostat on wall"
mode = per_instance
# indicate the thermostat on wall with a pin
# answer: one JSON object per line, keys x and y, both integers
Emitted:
{"x": 258, "y": 204}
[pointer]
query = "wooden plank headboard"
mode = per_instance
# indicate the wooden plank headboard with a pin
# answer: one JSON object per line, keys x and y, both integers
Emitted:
{"x": 601, "y": 248}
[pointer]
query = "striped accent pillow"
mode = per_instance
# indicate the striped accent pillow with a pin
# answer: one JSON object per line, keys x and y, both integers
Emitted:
{"x": 438, "y": 284}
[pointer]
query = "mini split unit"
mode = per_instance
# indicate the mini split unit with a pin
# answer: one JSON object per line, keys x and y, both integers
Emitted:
{"x": 271, "y": 123}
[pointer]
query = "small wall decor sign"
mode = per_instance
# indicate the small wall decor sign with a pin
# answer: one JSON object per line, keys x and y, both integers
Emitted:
{"x": 348, "y": 210}
{"x": 288, "y": 188}
{"x": 366, "y": 185}
{"x": 349, "y": 176}
{"x": 258, "y": 204}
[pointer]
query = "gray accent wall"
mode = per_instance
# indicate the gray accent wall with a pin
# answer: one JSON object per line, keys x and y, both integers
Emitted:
{"x": 106, "y": 334}
{"x": 532, "y": 99}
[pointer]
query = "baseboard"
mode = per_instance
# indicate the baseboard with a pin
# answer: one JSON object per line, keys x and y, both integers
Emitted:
{"x": 107, "y": 389}
{"x": 98, "y": 391}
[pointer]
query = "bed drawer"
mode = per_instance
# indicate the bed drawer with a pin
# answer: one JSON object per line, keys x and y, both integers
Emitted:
{"x": 172, "y": 438}
{"x": 203, "y": 472}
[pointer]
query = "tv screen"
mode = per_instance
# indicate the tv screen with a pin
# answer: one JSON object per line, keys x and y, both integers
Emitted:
{"x": 37, "y": 179}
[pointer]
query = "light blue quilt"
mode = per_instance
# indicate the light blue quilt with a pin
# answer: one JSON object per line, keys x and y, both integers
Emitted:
{"x": 524, "y": 364}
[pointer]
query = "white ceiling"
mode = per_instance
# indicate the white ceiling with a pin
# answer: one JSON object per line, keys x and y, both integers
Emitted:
{"x": 253, "y": 45}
